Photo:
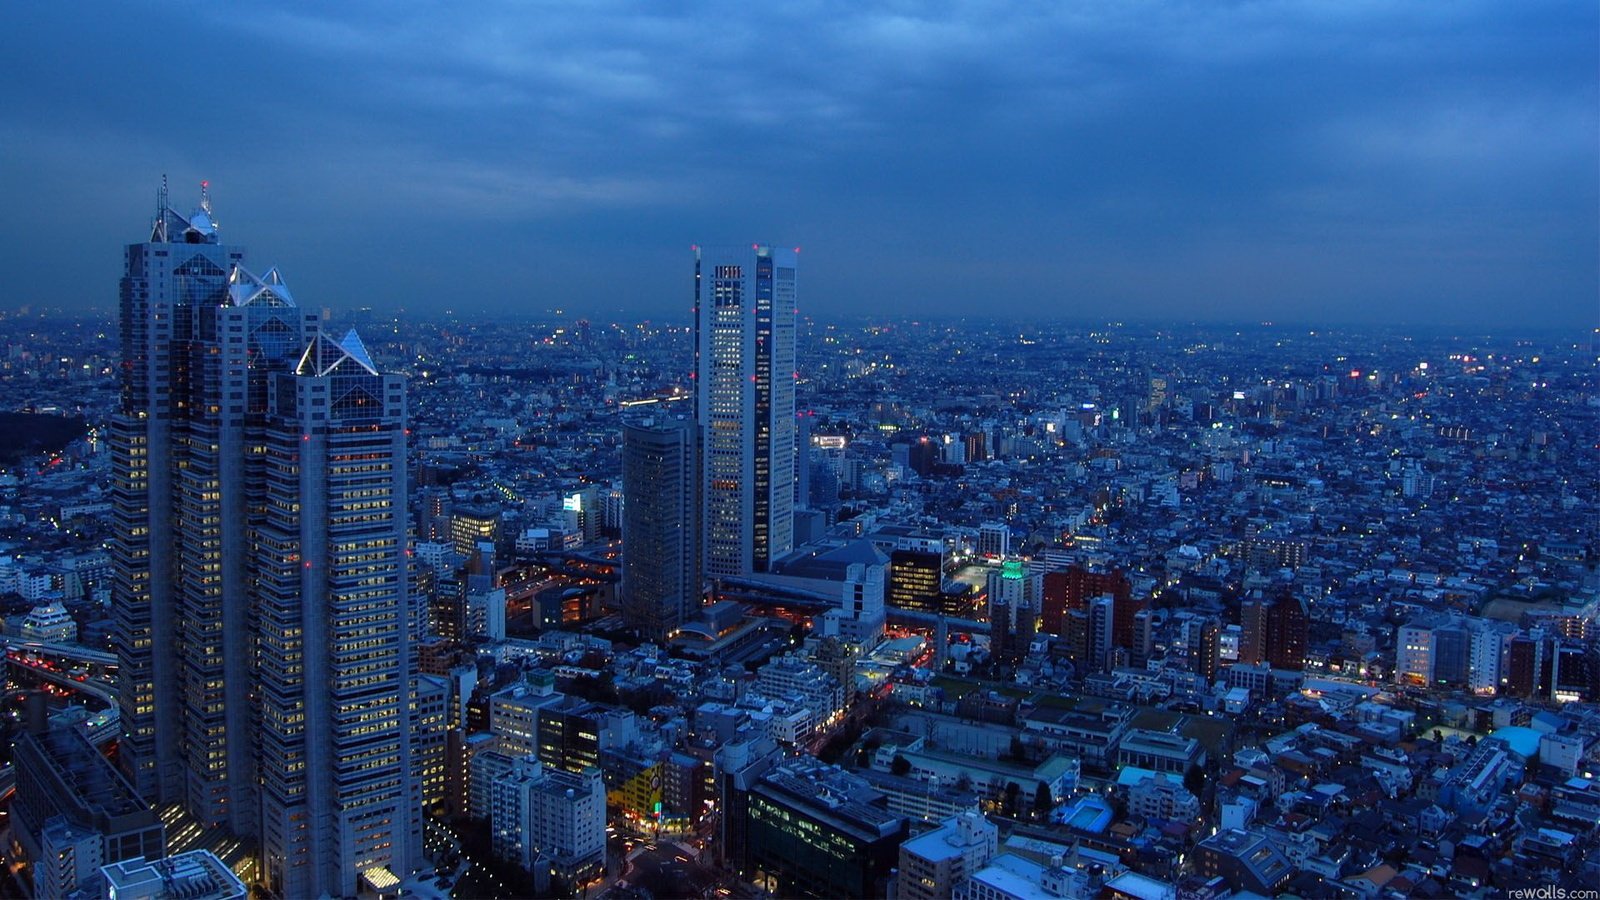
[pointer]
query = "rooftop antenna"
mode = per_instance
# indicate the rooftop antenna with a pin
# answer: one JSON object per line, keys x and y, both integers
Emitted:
{"x": 205, "y": 196}
{"x": 159, "y": 232}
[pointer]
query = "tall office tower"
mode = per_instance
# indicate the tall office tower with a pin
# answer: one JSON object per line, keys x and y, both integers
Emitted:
{"x": 181, "y": 268}
{"x": 262, "y": 595}
{"x": 744, "y": 403}
{"x": 660, "y": 525}
{"x": 339, "y": 799}
{"x": 235, "y": 349}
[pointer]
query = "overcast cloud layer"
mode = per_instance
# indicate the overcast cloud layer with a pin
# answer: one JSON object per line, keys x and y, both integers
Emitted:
{"x": 1339, "y": 161}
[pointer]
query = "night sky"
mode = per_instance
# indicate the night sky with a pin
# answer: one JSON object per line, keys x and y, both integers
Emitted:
{"x": 1413, "y": 163}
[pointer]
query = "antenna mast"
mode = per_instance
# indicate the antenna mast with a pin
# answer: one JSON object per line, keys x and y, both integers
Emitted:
{"x": 158, "y": 233}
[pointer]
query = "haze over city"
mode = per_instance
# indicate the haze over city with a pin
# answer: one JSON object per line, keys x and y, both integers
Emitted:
{"x": 1430, "y": 165}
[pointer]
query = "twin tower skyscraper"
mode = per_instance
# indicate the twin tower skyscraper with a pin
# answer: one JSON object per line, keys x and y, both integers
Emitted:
{"x": 265, "y": 624}
{"x": 715, "y": 497}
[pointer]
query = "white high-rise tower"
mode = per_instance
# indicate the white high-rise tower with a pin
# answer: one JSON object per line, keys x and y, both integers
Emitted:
{"x": 744, "y": 403}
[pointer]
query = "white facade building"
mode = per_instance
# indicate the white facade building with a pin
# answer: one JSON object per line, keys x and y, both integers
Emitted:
{"x": 50, "y": 622}
{"x": 744, "y": 403}
{"x": 540, "y": 816}
{"x": 934, "y": 864}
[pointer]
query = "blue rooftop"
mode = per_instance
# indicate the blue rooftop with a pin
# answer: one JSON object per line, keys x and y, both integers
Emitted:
{"x": 1524, "y": 741}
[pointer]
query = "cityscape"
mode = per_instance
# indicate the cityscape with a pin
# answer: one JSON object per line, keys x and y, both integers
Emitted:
{"x": 350, "y": 604}
{"x": 1028, "y": 501}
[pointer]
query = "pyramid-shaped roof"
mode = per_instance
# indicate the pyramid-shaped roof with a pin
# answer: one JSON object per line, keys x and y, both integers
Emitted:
{"x": 325, "y": 356}
{"x": 245, "y": 288}
{"x": 351, "y": 343}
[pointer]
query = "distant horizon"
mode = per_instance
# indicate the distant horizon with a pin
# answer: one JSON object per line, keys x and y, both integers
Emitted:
{"x": 553, "y": 317}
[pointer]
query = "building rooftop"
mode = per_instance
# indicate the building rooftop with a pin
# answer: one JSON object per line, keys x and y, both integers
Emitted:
{"x": 196, "y": 875}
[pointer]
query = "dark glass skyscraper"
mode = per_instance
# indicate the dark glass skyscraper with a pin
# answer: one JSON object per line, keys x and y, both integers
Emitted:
{"x": 660, "y": 525}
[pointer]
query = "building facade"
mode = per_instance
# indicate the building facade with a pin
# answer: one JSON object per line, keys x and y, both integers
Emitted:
{"x": 262, "y": 597}
{"x": 660, "y": 525}
{"x": 337, "y": 627}
{"x": 934, "y": 864}
{"x": 744, "y": 403}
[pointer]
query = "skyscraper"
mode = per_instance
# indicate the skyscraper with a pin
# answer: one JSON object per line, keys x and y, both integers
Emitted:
{"x": 660, "y": 525}
{"x": 263, "y": 620}
{"x": 339, "y": 796}
{"x": 181, "y": 268}
{"x": 744, "y": 403}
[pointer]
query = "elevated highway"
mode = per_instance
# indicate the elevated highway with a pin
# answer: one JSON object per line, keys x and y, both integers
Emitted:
{"x": 101, "y": 690}
{"x": 72, "y": 652}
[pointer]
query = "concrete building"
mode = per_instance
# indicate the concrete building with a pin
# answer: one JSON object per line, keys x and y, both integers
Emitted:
{"x": 74, "y": 812}
{"x": 816, "y": 831}
{"x": 196, "y": 875}
{"x": 1246, "y": 860}
{"x": 1160, "y": 751}
{"x": 791, "y": 675}
{"x": 934, "y": 864}
{"x": 915, "y": 581}
{"x": 514, "y": 713}
{"x": 566, "y": 825}
{"x": 50, "y": 622}
{"x": 862, "y": 605}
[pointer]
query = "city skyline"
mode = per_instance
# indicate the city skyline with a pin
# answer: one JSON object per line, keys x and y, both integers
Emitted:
{"x": 1158, "y": 602}
{"x": 1295, "y": 163}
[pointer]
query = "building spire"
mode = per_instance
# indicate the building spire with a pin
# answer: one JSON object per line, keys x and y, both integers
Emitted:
{"x": 158, "y": 231}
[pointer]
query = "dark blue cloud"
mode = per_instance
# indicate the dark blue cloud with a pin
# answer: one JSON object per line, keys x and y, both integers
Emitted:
{"x": 1341, "y": 160}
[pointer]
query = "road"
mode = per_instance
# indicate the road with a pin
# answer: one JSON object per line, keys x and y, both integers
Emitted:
{"x": 667, "y": 871}
{"x": 104, "y": 691}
